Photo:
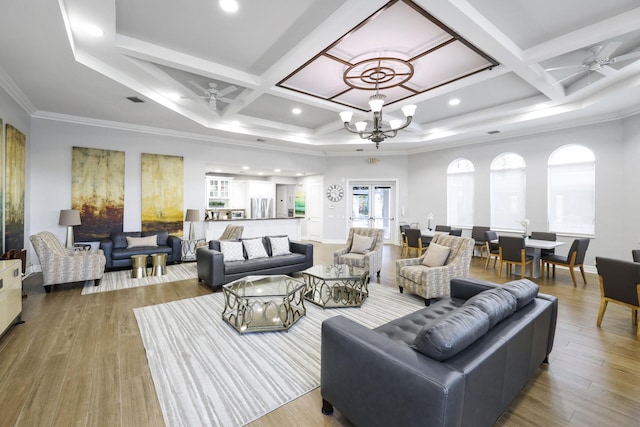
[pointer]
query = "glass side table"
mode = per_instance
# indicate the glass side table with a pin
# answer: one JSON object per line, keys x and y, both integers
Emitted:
{"x": 336, "y": 285}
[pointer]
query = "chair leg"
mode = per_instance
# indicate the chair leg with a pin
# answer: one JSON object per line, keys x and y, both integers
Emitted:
{"x": 523, "y": 267}
{"x": 583, "y": 275}
{"x": 500, "y": 269}
{"x": 603, "y": 307}
{"x": 486, "y": 264}
{"x": 634, "y": 316}
{"x": 573, "y": 276}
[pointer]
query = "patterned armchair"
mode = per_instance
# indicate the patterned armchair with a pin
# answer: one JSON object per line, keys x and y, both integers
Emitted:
{"x": 232, "y": 232}
{"x": 433, "y": 282}
{"x": 62, "y": 265}
{"x": 371, "y": 258}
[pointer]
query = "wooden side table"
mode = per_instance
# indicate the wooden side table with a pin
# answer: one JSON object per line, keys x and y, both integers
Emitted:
{"x": 138, "y": 266}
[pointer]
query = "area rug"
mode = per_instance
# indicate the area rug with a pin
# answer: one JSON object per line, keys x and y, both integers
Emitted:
{"x": 121, "y": 279}
{"x": 206, "y": 374}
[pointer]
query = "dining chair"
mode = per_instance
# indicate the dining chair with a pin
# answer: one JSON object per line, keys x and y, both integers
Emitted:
{"x": 493, "y": 249}
{"x": 414, "y": 241}
{"x": 511, "y": 251}
{"x": 543, "y": 235}
{"x": 443, "y": 228}
{"x": 620, "y": 284}
{"x": 455, "y": 232}
{"x": 477, "y": 234}
{"x": 635, "y": 254}
{"x": 403, "y": 238}
{"x": 575, "y": 258}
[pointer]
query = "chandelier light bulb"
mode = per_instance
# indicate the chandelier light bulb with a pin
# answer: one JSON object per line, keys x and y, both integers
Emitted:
{"x": 409, "y": 110}
{"x": 361, "y": 126}
{"x": 395, "y": 124}
{"x": 345, "y": 116}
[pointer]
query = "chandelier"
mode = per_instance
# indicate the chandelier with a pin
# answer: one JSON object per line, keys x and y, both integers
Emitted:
{"x": 379, "y": 73}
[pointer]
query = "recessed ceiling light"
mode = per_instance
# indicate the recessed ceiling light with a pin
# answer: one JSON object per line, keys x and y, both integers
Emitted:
{"x": 245, "y": 168}
{"x": 299, "y": 174}
{"x": 260, "y": 173}
{"x": 173, "y": 96}
{"x": 453, "y": 102}
{"x": 217, "y": 171}
{"x": 296, "y": 111}
{"x": 277, "y": 170}
{"x": 230, "y": 6}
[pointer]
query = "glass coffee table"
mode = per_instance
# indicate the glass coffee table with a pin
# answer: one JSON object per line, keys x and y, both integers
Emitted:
{"x": 263, "y": 303}
{"x": 336, "y": 285}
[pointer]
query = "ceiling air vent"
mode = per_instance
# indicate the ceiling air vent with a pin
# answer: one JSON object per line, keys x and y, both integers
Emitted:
{"x": 134, "y": 99}
{"x": 493, "y": 132}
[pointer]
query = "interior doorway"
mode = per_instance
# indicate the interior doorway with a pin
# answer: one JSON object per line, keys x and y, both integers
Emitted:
{"x": 373, "y": 205}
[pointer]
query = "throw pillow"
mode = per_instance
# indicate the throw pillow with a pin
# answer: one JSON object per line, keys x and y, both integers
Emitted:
{"x": 137, "y": 242}
{"x": 524, "y": 290}
{"x": 255, "y": 248}
{"x": 436, "y": 255}
{"x": 279, "y": 246}
{"x": 497, "y": 303}
{"x": 361, "y": 244}
{"x": 231, "y": 250}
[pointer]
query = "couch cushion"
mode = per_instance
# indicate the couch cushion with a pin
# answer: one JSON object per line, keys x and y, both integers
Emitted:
{"x": 497, "y": 303}
{"x": 120, "y": 239}
{"x": 231, "y": 250}
{"x": 436, "y": 255}
{"x": 361, "y": 244}
{"x": 452, "y": 333}
{"x": 524, "y": 290}
{"x": 162, "y": 236}
{"x": 279, "y": 245}
{"x": 138, "y": 242}
{"x": 254, "y": 248}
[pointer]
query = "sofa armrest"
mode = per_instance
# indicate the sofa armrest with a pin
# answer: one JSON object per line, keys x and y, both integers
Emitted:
{"x": 375, "y": 381}
{"x": 409, "y": 261}
{"x": 210, "y": 264}
{"x": 175, "y": 243}
{"x": 465, "y": 288}
{"x": 107, "y": 247}
{"x": 338, "y": 253}
{"x": 305, "y": 249}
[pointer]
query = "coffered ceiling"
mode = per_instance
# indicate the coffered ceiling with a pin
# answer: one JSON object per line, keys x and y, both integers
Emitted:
{"x": 515, "y": 66}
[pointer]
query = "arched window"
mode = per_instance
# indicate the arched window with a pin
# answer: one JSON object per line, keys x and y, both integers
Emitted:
{"x": 508, "y": 173}
{"x": 572, "y": 190}
{"x": 460, "y": 182}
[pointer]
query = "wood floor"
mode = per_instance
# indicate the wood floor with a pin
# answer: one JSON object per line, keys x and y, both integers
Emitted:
{"x": 79, "y": 360}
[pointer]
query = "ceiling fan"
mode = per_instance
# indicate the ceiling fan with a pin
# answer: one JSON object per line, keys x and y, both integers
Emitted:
{"x": 599, "y": 59}
{"x": 213, "y": 95}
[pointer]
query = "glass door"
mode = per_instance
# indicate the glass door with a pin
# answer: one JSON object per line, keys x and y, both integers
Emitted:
{"x": 372, "y": 207}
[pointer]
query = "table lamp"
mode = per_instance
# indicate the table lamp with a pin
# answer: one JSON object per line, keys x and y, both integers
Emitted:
{"x": 191, "y": 216}
{"x": 69, "y": 217}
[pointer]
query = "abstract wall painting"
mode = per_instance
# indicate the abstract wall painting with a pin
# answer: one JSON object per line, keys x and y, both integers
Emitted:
{"x": 299, "y": 205}
{"x": 14, "y": 188}
{"x": 97, "y": 191}
{"x": 162, "y": 193}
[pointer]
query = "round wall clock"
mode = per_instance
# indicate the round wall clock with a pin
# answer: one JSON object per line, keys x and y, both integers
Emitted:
{"x": 335, "y": 193}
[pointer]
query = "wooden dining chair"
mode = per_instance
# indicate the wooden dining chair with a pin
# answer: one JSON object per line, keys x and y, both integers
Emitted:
{"x": 492, "y": 249}
{"x": 403, "y": 238}
{"x": 414, "y": 241}
{"x": 575, "y": 258}
{"x": 620, "y": 284}
{"x": 543, "y": 235}
{"x": 478, "y": 234}
{"x": 445, "y": 228}
{"x": 511, "y": 251}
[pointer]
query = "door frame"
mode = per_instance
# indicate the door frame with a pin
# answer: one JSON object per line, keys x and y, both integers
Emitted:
{"x": 394, "y": 182}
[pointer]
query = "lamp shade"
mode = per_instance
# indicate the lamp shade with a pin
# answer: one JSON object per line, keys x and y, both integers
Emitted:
{"x": 69, "y": 217}
{"x": 192, "y": 215}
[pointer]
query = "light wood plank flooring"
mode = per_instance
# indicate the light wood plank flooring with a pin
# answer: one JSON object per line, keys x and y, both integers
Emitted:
{"x": 79, "y": 361}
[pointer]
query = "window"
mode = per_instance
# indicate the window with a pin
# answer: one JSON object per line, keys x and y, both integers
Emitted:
{"x": 571, "y": 192}
{"x": 460, "y": 182}
{"x": 508, "y": 173}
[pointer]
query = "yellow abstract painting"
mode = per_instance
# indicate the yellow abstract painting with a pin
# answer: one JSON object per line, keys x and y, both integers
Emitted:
{"x": 162, "y": 193}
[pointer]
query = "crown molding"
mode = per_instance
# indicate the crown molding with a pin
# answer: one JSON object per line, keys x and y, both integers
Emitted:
{"x": 15, "y": 93}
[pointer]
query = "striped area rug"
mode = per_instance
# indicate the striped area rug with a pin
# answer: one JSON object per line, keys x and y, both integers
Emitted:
{"x": 121, "y": 279}
{"x": 206, "y": 374}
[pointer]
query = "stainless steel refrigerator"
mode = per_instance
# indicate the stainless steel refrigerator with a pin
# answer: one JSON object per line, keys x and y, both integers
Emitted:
{"x": 261, "y": 207}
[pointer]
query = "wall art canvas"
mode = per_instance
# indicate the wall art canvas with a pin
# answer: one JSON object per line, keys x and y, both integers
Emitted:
{"x": 97, "y": 191}
{"x": 14, "y": 188}
{"x": 162, "y": 193}
{"x": 299, "y": 207}
{"x": 1, "y": 186}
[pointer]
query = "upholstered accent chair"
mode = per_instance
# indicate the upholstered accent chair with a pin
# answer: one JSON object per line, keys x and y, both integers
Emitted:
{"x": 355, "y": 255}
{"x": 620, "y": 284}
{"x": 511, "y": 251}
{"x": 477, "y": 234}
{"x": 575, "y": 258}
{"x": 62, "y": 265}
{"x": 416, "y": 277}
{"x": 232, "y": 232}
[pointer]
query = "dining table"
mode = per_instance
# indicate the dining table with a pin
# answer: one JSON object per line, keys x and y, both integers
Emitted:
{"x": 534, "y": 248}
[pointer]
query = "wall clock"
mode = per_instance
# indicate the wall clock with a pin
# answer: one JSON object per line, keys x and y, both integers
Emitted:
{"x": 335, "y": 193}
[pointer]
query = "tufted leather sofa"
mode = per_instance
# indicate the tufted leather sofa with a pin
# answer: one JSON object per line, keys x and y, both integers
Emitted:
{"x": 119, "y": 255}
{"x": 443, "y": 365}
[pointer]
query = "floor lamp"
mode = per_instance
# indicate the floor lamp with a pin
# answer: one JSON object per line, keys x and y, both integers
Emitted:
{"x": 70, "y": 218}
{"x": 191, "y": 216}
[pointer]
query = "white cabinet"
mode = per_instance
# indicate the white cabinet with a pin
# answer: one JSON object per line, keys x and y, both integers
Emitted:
{"x": 218, "y": 192}
{"x": 10, "y": 293}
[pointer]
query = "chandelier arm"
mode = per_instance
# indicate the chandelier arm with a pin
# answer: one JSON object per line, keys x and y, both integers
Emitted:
{"x": 348, "y": 127}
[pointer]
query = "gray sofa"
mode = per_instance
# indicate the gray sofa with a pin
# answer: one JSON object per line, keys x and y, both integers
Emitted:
{"x": 214, "y": 271}
{"x": 118, "y": 254}
{"x": 454, "y": 363}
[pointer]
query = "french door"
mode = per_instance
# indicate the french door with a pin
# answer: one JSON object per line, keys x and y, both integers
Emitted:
{"x": 372, "y": 206}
